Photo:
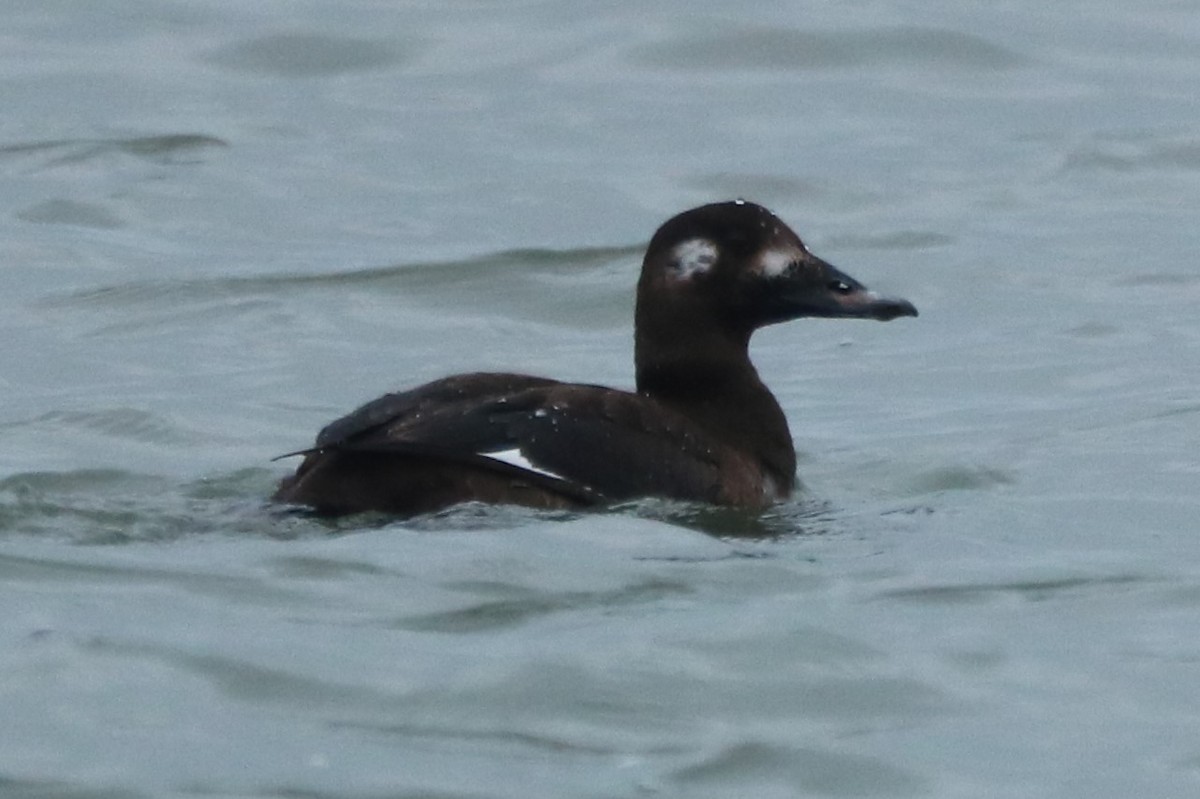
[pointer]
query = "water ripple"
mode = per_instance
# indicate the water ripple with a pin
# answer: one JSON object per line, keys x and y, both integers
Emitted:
{"x": 12, "y": 788}
{"x": 1135, "y": 156}
{"x": 1031, "y": 590}
{"x": 510, "y": 284}
{"x": 242, "y": 679}
{"x": 125, "y": 423}
{"x": 71, "y": 212}
{"x": 531, "y": 264}
{"x": 111, "y": 506}
{"x": 308, "y": 55}
{"x": 511, "y": 612}
{"x": 761, "y": 768}
{"x": 959, "y": 478}
{"x": 168, "y": 148}
{"x": 772, "y": 48}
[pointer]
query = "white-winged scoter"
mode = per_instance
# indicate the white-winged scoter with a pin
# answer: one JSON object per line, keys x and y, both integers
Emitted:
{"x": 700, "y": 427}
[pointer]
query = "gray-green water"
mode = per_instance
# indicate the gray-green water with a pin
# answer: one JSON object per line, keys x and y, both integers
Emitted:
{"x": 222, "y": 225}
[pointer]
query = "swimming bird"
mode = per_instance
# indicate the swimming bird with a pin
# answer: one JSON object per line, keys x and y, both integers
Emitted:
{"x": 701, "y": 425}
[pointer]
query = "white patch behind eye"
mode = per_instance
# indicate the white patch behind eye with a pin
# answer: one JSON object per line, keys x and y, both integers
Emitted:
{"x": 774, "y": 263}
{"x": 694, "y": 257}
{"x": 514, "y": 457}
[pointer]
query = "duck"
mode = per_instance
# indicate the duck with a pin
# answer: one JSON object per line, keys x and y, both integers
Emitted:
{"x": 700, "y": 425}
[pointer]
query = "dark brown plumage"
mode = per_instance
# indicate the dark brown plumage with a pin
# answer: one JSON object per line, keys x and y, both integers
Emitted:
{"x": 702, "y": 426}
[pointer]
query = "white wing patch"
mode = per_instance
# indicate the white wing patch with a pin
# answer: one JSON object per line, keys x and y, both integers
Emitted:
{"x": 694, "y": 257}
{"x": 514, "y": 457}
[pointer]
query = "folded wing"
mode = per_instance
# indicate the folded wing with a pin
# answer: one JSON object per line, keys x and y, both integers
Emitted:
{"x": 504, "y": 438}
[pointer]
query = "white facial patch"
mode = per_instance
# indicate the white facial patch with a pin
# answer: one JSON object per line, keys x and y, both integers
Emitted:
{"x": 775, "y": 263}
{"x": 514, "y": 457}
{"x": 694, "y": 257}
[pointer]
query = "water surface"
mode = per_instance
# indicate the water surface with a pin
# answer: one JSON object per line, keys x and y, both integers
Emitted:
{"x": 223, "y": 225}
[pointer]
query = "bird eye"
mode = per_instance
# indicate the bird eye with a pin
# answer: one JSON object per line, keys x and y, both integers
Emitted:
{"x": 840, "y": 287}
